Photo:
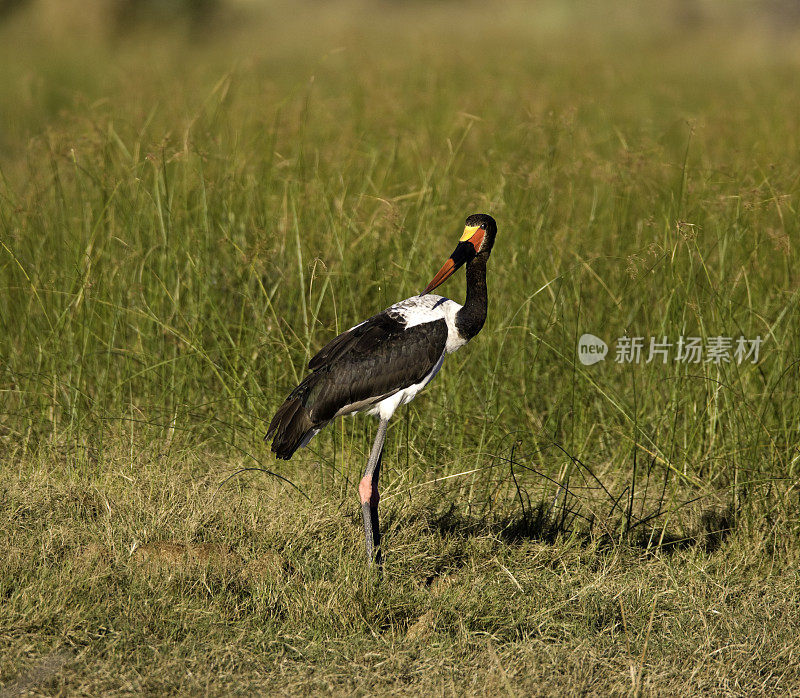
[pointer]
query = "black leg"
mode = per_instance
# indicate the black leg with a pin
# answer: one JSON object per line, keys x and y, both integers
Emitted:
{"x": 368, "y": 491}
{"x": 372, "y": 529}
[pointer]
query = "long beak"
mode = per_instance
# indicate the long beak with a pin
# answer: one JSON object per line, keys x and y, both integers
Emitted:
{"x": 465, "y": 251}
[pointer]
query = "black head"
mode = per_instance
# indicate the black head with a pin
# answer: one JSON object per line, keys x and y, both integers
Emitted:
{"x": 481, "y": 222}
{"x": 477, "y": 240}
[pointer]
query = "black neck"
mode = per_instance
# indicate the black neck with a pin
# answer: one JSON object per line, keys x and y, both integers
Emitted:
{"x": 470, "y": 319}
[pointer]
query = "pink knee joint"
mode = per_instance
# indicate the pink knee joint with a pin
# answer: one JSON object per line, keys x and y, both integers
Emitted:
{"x": 367, "y": 492}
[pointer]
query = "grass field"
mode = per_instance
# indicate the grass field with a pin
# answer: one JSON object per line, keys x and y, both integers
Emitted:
{"x": 188, "y": 213}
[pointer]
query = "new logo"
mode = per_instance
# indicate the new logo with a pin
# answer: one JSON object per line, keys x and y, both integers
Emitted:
{"x": 591, "y": 349}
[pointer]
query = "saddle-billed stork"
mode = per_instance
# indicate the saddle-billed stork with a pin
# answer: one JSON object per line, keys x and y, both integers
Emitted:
{"x": 385, "y": 361}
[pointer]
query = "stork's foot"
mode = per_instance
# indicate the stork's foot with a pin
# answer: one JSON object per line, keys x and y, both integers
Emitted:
{"x": 368, "y": 491}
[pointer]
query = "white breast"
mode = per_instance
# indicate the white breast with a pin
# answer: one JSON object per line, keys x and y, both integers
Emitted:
{"x": 429, "y": 308}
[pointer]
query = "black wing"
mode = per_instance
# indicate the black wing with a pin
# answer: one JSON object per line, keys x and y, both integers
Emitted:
{"x": 362, "y": 337}
{"x": 367, "y": 363}
{"x": 373, "y": 360}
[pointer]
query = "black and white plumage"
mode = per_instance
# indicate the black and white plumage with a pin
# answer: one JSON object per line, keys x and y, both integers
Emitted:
{"x": 374, "y": 367}
{"x": 383, "y": 362}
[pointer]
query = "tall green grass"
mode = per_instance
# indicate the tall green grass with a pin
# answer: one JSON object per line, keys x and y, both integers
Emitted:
{"x": 174, "y": 253}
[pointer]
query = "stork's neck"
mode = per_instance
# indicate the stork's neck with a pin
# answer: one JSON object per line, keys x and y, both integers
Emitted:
{"x": 470, "y": 319}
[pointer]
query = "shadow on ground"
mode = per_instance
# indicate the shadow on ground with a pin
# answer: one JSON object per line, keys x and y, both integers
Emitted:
{"x": 541, "y": 523}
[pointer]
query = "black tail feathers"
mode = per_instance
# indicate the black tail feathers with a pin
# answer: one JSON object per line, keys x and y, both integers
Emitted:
{"x": 290, "y": 427}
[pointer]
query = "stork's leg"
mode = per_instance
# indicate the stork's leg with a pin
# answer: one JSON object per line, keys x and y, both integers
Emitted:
{"x": 368, "y": 491}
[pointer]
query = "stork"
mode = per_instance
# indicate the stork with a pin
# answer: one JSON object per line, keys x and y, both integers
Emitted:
{"x": 385, "y": 361}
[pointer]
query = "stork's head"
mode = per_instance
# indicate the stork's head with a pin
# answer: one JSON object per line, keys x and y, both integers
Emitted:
{"x": 477, "y": 240}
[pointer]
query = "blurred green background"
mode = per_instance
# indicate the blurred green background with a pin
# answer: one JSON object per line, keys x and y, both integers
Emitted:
{"x": 197, "y": 195}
